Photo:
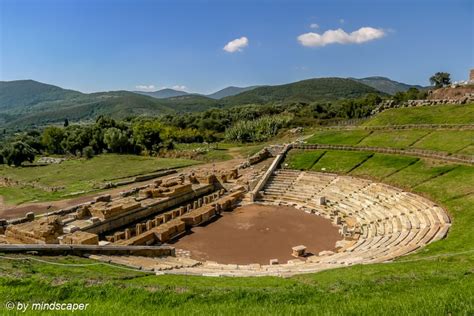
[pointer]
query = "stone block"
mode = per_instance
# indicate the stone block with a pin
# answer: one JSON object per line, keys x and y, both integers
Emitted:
{"x": 298, "y": 251}
{"x": 30, "y": 216}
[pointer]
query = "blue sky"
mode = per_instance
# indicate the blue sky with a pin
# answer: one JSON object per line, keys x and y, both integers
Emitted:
{"x": 115, "y": 44}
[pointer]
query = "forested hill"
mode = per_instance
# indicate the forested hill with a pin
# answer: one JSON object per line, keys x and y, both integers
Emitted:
{"x": 320, "y": 89}
{"x": 24, "y": 93}
{"x": 386, "y": 85}
{"x": 27, "y": 102}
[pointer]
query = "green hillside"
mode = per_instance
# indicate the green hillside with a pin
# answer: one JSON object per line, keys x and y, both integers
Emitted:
{"x": 437, "y": 114}
{"x": 229, "y": 91}
{"x": 19, "y": 94}
{"x": 321, "y": 89}
{"x": 386, "y": 85}
{"x": 27, "y": 102}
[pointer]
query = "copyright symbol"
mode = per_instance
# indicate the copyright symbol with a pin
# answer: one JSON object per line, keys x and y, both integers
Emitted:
{"x": 10, "y": 305}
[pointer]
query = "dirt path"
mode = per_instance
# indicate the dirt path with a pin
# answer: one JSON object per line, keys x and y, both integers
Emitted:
{"x": 14, "y": 211}
{"x": 257, "y": 233}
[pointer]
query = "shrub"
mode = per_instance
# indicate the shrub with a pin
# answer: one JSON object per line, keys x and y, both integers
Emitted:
{"x": 257, "y": 130}
{"x": 88, "y": 152}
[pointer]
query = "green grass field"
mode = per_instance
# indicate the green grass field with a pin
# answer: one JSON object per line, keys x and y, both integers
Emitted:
{"x": 451, "y": 141}
{"x": 334, "y": 161}
{"x": 433, "y": 287}
{"x": 338, "y": 137}
{"x": 396, "y": 139}
{"x": 440, "y": 114}
{"x": 381, "y": 166}
{"x": 80, "y": 175}
{"x": 301, "y": 159}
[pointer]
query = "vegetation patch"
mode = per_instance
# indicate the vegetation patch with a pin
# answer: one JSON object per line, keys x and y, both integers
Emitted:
{"x": 77, "y": 175}
{"x": 437, "y": 114}
{"x": 351, "y": 137}
{"x": 396, "y": 138}
{"x": 381, "y": 165}
{"x": 450, "y": 141}
{"x": 419, "y": 172}
{"x": 302, "y": 159}
{"x": 340, "y": 161}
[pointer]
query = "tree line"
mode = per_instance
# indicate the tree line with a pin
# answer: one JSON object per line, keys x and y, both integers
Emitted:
{"x": 152, "y": 135}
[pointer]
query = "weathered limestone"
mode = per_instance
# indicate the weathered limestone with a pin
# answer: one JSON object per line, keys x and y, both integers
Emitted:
{"x": 30, "y": 216}
{"x": 298, "y": 251}
{"x": 44, "y": 230}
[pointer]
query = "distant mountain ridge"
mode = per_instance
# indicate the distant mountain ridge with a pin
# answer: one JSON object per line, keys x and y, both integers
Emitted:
{"x": 163, "y": 93}
{"x": 171, "y": 93}
{"x": 386, "y": 85}
{"x": 28, "y": 102}
{"x": 229, "y": 91}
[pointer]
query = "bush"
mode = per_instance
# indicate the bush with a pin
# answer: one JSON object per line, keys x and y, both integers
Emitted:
{"x": 257, "y": 130}
{"x": 18, "y": 152}
{"x": 88, "y": 152}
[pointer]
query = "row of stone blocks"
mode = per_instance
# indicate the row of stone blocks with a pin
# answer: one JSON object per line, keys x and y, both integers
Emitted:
{"x": 173, "y": 223}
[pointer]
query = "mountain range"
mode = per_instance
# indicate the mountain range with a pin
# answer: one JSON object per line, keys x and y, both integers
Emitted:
{"x": 170, "y": 93}
{"x": 28, "y": 102}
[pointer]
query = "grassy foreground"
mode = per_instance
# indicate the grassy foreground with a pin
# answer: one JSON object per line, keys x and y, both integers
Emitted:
{"x": 78, "y": 175}
{"x": 433, "y": 287}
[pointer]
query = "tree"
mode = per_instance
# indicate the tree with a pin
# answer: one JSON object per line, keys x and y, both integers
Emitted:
{"x": 18, "y": 152}
{"x": 76, "y": 138}
{"x": 51, "y": 139}
{"x": 147, "y": 134}
{"x": 440, "y": 79}
{"x": 116, "y": 139}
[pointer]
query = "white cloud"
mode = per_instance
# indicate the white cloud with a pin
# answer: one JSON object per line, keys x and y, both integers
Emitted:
{"x": 179, "y": 87}
{"x": 314, "y": 26}
{"x": 144, "y": 87}
{"x": 175, "y": 87}
{"x": 236, "y": 45}
{"x": 339, "y": 36}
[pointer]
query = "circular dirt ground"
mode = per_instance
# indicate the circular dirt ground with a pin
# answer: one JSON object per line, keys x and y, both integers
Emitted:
{"x": 258, "y": 233}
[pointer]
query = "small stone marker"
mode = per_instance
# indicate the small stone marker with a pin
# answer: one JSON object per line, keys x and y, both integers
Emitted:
{"x": 298, "y": 251}
{"x": 30, "y": 216}
{"x": 70, "y": 229}
{"x": 322, "y": 200}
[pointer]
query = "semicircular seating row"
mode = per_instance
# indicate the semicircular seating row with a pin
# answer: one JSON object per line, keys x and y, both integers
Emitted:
{"x": 379, "y": 222}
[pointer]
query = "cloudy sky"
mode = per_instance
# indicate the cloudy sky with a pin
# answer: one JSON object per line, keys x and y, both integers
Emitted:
{"x": 203, "y": 46}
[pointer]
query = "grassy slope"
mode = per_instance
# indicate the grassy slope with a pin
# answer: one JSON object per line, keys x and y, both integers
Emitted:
{"x": 440, "y": 287}
{"x": 440, "y": 114}
{"x": 452, "y": 141}
{"x": 337, "y": 162}
{"x": 300, "y": 159}
{"x": 80, "y": 175}
{"x": 338, "y": 137}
